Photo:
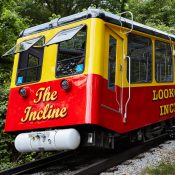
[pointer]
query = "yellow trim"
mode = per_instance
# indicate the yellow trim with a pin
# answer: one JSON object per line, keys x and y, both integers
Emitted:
{"x": 119, "y": 54}
{"x": 50, "y": 52}
{"x": 14, "y": 72}
{"x": 97, "y": 48}
{"x": 173, "y": 57}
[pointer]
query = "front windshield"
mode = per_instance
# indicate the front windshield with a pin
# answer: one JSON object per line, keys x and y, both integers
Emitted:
{"x": 71, "y": 55}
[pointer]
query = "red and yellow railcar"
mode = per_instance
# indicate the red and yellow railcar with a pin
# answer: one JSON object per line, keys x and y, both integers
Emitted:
{"x": 90, "y": 78}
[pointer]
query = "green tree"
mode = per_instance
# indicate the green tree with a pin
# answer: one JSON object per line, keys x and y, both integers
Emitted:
{"x": 35, "y": 11}
{"x": 39, "y": 11}
{"x": 11, "y": 24}
{"x": 155, "y": 13}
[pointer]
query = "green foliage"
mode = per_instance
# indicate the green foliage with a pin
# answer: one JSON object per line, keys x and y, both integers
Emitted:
{"x": 158, "y": 14}
{"x": 6, "y": 141}
{"x": 54, "y": 16}
{"x": 162, "y": 169}
{"x": 35, "y": 11}
{"x": 11, "y": 24}
{"x": 39, "y": 11}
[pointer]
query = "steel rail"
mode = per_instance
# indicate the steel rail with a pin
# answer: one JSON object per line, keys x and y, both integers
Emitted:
{"x": 116, "y": 159}
{"x": 92, "y": 164}
{"x": 37, "y": 164}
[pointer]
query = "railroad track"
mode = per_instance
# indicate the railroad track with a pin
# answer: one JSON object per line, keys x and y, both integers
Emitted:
{"x": 117, "y": 158}
{"x": 38, "y": 164}
{"x": 81, "y": 162}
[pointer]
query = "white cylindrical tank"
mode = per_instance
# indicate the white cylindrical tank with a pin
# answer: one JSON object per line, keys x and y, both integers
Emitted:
{"x": 63, "y": 139}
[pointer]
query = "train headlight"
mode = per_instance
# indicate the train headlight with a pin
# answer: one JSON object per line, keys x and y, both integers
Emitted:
{"x": 24, "y": 92}
{"x": 66, "y": 85}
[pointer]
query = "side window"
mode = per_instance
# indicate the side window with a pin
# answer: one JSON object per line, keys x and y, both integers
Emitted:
{"x": 163, "y": 62}
{"x": 71, "y": 55}
{"x": 112, "y": 62}
{"x": 29, "y": 67}
{"x": 32, "y": 60}
{"x": 140, "y": 52}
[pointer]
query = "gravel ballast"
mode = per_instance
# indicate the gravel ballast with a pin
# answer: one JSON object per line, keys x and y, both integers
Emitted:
{"x": 152, "y": 158}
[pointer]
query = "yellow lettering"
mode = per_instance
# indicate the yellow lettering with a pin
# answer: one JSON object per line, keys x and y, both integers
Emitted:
{"x": 154, "y": 95}
{"x": 39, "y": 95}
{"x": 46, "y": 95}
{"x": 45, "y": 111}
{"x": 171, "y": 108}
{"x": 32, "y": 116}
{"x": 52, "y": 115}
{"x": 48, "y": 112}
{"x": 171, "y": 93}
{"x": 160, "y": 94}
{"x": 54, "y": 96}
{"x": 165, "y": 93}
{"x": 57, "y": 114}
{"x": 63, "y": 112}
{"x": 27, "y": 112}
{"x": 39, "y": 115}
{"x": 166, "y": 109}
{"x": 161, "y": 111}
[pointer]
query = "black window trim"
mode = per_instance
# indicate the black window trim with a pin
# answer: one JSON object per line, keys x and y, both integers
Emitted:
{"x": 152, "y": 59}
{"x": 41, "y": 66}
{"x": 171, "y": 46}
{"x": 112, "y": 35}
{"x": 58, "y": 47}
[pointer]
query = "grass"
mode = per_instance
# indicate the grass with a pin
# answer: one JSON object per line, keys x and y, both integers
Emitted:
{"x": 162, "y": 169}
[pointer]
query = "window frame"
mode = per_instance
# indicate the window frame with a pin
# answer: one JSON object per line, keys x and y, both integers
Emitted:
{"x": 27, "y": 68}
{"x": 116, "y": 43}
{"x": 58, "y": 47}
{"x": 152, "y": 59}
{"x": 171, "y": 47}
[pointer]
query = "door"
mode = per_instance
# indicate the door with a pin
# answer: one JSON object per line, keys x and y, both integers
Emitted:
{"x": 112, "y": 80}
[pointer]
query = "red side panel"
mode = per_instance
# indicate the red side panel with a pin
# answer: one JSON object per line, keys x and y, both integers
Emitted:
{"x": 89, "y": 101}
{"x": 47, "y": 106}
{"x": 147, "y": 105}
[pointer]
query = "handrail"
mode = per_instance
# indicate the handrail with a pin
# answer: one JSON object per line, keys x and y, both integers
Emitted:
{"x": 116, "y": 96}
{"x": 131, "y": 20}
{"x": 129, "y": 90}
{"x": 119, "y": 110}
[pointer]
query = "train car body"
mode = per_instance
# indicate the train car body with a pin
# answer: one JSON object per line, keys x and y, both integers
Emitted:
{"x": 92, "y": 69}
